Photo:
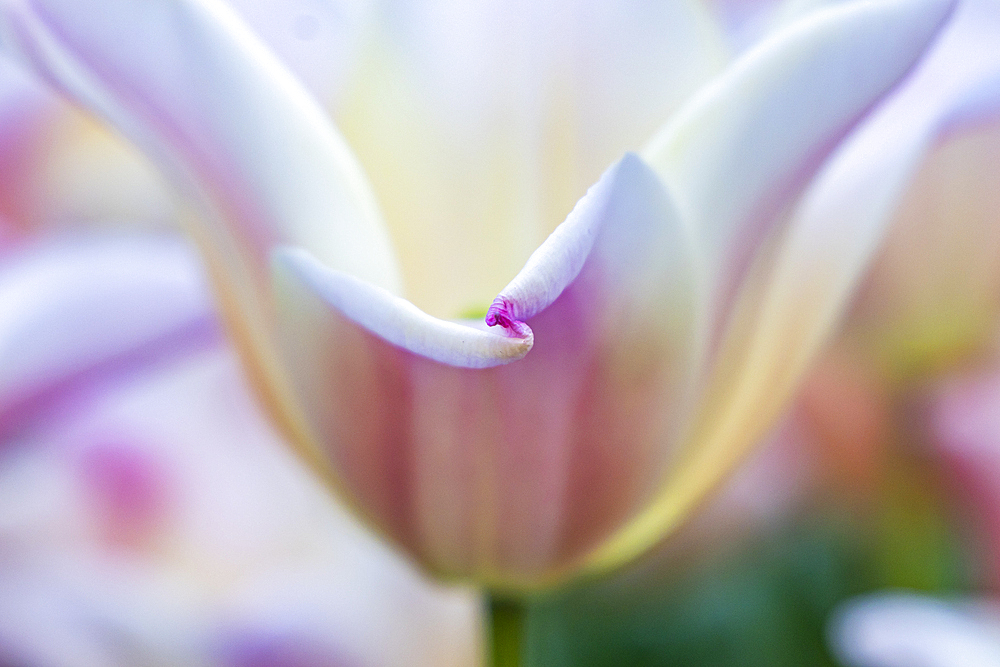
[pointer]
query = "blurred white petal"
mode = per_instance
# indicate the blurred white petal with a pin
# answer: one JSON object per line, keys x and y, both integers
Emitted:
{"x": 908, "y": 630}
{"x": 68, "y": 307}
{"x": 796, "y": 299}
{"x": 192, "y": 85}
{"x": 319, "y": 40}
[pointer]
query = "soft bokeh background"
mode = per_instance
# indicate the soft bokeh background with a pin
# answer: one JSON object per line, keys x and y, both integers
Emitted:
{"x": 150, "y": 515}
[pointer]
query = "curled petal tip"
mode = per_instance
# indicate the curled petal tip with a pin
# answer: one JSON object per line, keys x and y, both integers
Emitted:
{"x": 501, "y": 313}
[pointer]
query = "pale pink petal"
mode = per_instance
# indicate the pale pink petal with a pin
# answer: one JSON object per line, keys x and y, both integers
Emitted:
{"x": 25, "y": 111}
{"x": 511, "y": 473}
{"x": 966, "y": 421}
{"x": 965, "y": 428}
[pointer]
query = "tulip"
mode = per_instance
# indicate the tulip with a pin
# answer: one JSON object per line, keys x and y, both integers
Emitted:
{"x": 149, "y": 514}
{"x": 647, "y": 344}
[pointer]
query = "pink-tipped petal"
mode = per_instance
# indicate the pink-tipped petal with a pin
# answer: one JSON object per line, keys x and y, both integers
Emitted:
{"x": 509, "y": 474}
{"x": 398, "y": 321}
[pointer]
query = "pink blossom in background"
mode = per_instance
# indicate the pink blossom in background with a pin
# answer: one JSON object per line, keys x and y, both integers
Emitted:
{"x": 148, "y": 512}
{"x": 965, "y": 419}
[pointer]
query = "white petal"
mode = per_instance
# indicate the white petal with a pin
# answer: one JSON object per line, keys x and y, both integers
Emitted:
{"x": 740, "y": 150}
{"x": 564, "y": 444}
{"x": 787, "y": 313}
{"x": 626, "y": 209}
{"x": 191, "y": 85}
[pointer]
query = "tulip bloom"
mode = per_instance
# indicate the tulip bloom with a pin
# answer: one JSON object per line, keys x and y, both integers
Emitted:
{"x": 149, "y": 514}
{"x": 647, "y": 344}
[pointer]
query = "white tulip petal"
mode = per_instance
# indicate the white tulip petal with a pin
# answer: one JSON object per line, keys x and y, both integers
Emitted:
{"x": 192, "y": 86}
{"x": 786, "y": 316}
{"x": 737, "y": 154}
{"x": 843, "y": 216}
{"x": 559, "y": 260}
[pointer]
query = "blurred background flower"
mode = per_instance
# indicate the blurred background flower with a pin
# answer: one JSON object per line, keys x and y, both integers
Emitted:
{"x": 893, "y": 630}
{"x": 148, "y": 512}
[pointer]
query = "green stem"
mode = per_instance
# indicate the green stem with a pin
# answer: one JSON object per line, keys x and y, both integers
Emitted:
{"x": 505, "y": 626}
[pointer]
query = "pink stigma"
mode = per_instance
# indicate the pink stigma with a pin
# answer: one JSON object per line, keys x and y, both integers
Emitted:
{"x": 500, "y": 313}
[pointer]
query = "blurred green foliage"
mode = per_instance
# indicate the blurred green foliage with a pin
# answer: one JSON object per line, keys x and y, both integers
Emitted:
{"x": 764, "y": 604}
